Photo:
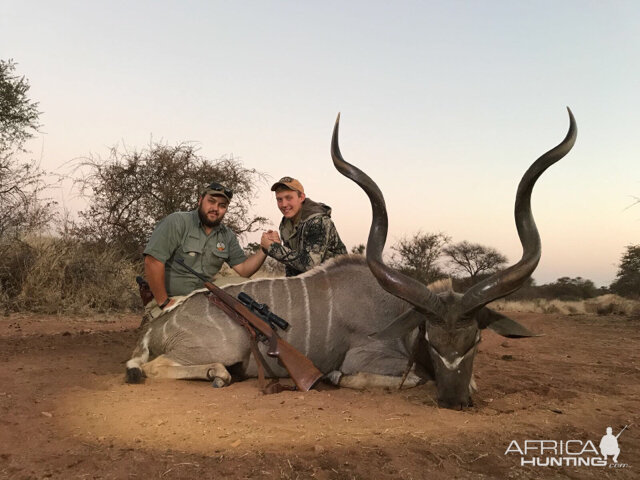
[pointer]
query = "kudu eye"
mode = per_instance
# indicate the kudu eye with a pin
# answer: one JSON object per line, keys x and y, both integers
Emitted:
{"x": 463, "y": 320}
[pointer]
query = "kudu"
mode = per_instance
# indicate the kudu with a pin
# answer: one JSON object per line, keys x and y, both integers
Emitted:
{"x": 359, "y": 334}
{"x": 333, "y": 310}
{"x": 452, "y": 321}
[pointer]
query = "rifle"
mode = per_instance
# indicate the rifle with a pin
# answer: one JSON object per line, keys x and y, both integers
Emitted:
{"x": 625, "y": 427}
{"x": 301, "y": 370}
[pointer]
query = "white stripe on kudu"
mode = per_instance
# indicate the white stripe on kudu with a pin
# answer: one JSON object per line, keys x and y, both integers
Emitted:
{"x": 307, "y": 318}
{"x": 271, "y": 292}
{"x": 210, "y": 315}
{"x": 286, "y": 287}
{"x": 330, "y": 304}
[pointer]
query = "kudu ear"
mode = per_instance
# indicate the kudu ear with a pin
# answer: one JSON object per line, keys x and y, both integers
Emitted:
{"x": 502, "y": 325}
{"x": 400, "y": 325}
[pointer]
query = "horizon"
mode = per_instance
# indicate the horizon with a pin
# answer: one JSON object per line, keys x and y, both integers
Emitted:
{"x": 443, "y": 104}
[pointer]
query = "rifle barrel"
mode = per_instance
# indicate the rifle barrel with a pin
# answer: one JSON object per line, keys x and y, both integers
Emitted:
{"x": 625, "y": 427}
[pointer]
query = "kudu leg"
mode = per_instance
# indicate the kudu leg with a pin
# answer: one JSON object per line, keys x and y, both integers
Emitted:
{"x": 375, "y": 365}
{"x": 164, "y": 367}
{"x": 140, "y": 355}
{"x": 364, "y": 380}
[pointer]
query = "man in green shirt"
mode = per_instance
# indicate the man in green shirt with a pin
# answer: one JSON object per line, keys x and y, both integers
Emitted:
{"x": 307, "y": 237}
{"x": 200, "y": 238}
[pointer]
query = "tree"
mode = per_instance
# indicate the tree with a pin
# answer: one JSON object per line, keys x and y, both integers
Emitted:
{"x": 527, "y": 291}
{"x": 358, "y": 249}
{"x": 20, "y": 182}
{"x": 474, "y": 259}
{"x": 18, "y": 114}
{"x": 129, "y": 192}
{"x": 566, "y": 288}
{"x": 21, "y": 208}
{"x": 417, "y": 256}
{"x": 627, "y": 282}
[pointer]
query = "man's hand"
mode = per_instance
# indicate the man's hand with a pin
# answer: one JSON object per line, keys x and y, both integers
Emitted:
{"x": 273, "y": 234}
{"x": 268, "y": 238}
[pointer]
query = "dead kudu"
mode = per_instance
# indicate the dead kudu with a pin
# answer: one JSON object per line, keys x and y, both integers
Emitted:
{"x": 332, "y": 310}
{"x": 451, "y": 321}
{"x": 355, "y": 331}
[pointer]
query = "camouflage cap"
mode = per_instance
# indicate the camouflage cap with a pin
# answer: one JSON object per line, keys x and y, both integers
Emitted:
{"x": 288, "y": 182}
{"x": 215, "y": 188}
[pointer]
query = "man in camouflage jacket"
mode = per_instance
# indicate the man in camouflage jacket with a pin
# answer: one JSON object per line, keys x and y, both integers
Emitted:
{"x": 307, "y": 237}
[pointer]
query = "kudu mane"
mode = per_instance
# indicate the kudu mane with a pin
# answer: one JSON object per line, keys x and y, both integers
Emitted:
{"x": 444, "y": 285}
{"x": 335, "y": 263}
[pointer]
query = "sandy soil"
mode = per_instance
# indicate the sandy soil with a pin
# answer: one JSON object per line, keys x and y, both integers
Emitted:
{"x": 65, "y": 411}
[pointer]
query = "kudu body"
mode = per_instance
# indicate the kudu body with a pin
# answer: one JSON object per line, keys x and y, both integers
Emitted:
{"x": 358, "y": 322}
{"x": 333, "y": 310}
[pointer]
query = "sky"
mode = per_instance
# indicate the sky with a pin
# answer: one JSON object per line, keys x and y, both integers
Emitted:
{"x": 445, "y": 104}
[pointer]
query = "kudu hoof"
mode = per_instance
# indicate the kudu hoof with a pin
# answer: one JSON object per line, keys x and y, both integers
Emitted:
{"x": 134, "y": 375}
{"x": 218, "y": 383}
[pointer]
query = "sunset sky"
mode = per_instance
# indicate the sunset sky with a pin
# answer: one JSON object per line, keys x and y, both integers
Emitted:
{"x": 444, "y": 103}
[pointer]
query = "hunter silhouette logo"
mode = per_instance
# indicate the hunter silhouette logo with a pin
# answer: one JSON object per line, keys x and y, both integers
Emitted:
{"x": 569, "y": 453}
{"x": 609, "y": 444}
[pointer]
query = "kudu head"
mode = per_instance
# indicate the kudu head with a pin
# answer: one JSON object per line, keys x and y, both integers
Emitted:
{"x": 452, "y": 321}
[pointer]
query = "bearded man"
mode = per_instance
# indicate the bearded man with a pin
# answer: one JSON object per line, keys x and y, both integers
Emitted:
{"x": 204, "y": 243}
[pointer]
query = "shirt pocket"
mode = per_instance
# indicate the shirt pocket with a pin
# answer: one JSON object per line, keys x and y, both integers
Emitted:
{"x": 214, "y": 260}
{"x": 192, "y": 252}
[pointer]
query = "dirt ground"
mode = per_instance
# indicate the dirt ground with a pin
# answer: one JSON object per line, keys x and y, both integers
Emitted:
{"x": 66, "y": 413}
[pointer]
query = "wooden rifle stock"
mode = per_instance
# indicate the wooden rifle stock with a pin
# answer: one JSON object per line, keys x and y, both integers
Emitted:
{"x": 301, "y": 370}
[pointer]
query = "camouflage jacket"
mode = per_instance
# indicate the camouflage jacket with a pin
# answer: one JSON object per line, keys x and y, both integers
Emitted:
{"x": 309, "y": 243}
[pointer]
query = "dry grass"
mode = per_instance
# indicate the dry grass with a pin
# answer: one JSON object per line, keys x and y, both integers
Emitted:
{"x": 603, "y": 305}
{"x": 56, "y": 275}
{"x": 63, "y": 275}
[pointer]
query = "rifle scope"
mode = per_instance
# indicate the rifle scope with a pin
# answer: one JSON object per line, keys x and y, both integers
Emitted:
{"x": 263, "y": 310}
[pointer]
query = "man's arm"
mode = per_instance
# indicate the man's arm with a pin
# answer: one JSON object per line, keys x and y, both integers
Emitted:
{"x": 251, "y": 264}
{"x": 164, "y": 240}
{"x": 154, "y": 273}
{"x": 314, "y": 243}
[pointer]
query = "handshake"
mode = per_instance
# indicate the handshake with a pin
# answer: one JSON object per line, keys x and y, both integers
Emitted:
{"x": 269, "y": 237}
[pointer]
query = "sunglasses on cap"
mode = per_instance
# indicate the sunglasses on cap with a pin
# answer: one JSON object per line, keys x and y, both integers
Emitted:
{"x": 220, "y": 188}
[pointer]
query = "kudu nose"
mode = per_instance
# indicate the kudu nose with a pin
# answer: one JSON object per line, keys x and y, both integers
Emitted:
{"x": 454, "y": 404}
